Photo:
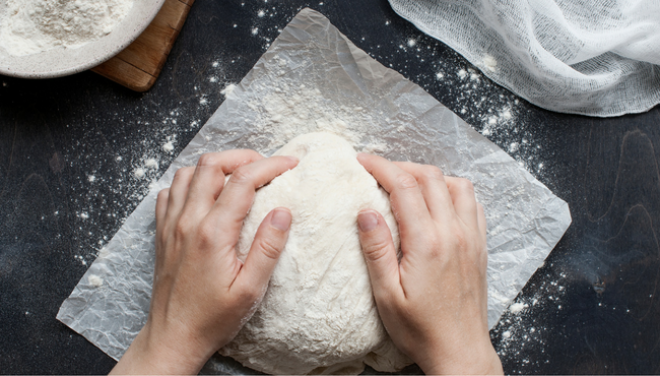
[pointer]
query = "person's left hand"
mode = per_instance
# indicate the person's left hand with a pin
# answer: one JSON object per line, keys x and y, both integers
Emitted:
{"x": 203, "y": 294}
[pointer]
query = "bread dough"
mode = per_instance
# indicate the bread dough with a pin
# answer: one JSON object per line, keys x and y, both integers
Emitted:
{"x": 318, "y": 314}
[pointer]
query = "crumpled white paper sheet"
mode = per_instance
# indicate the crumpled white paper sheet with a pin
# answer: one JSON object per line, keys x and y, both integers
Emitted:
{"x": 525, "y": 220}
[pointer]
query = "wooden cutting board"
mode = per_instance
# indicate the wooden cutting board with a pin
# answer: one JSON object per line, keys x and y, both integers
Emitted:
{"x": 138, "y": 66}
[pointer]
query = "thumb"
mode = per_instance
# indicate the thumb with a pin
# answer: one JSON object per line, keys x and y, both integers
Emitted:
{"x": 267, "y": 246}
{"x": 379, "y": 253}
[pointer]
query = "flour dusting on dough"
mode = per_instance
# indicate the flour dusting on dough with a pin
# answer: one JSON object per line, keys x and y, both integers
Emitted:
{"x": 319, "y": 309}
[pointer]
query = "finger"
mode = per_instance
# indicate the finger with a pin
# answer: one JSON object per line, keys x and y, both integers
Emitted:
{"x": 267, "y": 246}
{"x": 177, "y": 195}
{"x": 433, "y": 186}
{"x": 209, "y": 178}
{"x": 465, "y": 202}
{"x": 236, "y": 198}
{"x": 408, "y": 204}
{"x": 380, "y": 256}
{"x": 161, "y": 209}
{"x": 481, "y": 221}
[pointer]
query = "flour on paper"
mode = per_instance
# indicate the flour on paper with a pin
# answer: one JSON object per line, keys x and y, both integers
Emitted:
{"x": 318, "y": 314}
{"x": 288, "y": 111}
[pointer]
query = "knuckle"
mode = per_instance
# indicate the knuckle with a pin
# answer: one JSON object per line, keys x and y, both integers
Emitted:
{"x": 465, "y": 185}
{"x": 163, "y": 197}
{"x": 182, "y": 173}
{"x": 208, "y": 159}
{"x": 205, "y": 234}
{"x": 163, "y": 194}
{"x": 433, "y": 173}
{"x": 376, "y": 250}
{"x": 182, "y": 227}
{"x": 241, "y": 175}
{"x": 269, "y": 248}
{"x": 405, "y": 182}
{"x": 252, "y": 154}
{"x": 211, "y": 162}
{"x": 248, "y": 295}
{"x": 461, "y": 240}
{"x": 435, "y": 249}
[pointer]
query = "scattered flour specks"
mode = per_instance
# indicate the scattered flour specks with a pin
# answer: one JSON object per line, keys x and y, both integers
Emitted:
{"x": 81, "y": 259}
{"x": 513, "y": 147}
{"x": 517, "y": 307}
{"x": 521, "y": 327}
{"x": 168, "y": 146}
{"x": 151, "y": 163}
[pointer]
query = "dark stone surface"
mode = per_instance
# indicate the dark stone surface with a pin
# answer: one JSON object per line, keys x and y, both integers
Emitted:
{"x": 596, "y": 307}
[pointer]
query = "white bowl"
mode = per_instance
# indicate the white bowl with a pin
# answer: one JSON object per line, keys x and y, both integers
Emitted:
{"x": 63, "y": 61}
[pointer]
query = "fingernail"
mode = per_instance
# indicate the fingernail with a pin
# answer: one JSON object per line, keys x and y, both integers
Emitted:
{"x": 367, "y": 221}
{"x": 281, "y": 219}
{"x": 293, "y": 159}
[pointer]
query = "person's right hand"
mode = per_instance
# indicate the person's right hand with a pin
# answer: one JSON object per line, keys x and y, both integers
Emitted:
{"x": 434, "y": 302}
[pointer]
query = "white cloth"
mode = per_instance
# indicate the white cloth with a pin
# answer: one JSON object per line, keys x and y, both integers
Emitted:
{"x": 597, "y": 57}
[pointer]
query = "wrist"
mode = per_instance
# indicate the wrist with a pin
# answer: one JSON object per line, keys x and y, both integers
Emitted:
{"x": 477, "y": 359}
{"x": 153, "y": 352}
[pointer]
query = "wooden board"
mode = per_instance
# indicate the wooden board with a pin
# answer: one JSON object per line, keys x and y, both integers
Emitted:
{"x": 138, "y": 66}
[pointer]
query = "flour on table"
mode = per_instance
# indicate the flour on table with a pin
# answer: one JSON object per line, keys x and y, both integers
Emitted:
{"x": 32, "y": 26}
{"x": 139, "y": 172}
{"x": 318, "y": 314}
{"x": 517, "y": 307}
{"x": 151, "y": 163}
{"x": 168, "y": 147}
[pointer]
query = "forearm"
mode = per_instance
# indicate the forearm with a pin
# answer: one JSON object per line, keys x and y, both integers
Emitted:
{"x": 149, "y": 355}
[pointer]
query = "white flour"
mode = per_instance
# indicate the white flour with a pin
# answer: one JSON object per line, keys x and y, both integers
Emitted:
{"x": 32, "y": 26}
{"x": 288, "y": 111}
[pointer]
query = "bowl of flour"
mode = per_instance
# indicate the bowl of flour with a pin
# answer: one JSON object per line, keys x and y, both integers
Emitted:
{"x": 52, "y": 38}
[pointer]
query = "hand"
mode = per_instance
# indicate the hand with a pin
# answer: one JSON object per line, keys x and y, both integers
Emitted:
{"x": 434, "y": 302}
{"x": 203, "y": 294}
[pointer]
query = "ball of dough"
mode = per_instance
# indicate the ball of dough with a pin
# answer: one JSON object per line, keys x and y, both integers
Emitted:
{"x": 318, "y": 314}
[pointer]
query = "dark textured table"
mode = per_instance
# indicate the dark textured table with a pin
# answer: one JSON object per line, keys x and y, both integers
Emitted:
{"x": 69, "y": 148}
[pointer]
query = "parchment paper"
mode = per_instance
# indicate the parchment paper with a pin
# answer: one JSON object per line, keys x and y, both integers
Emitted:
{"x": 380, "y": 111}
